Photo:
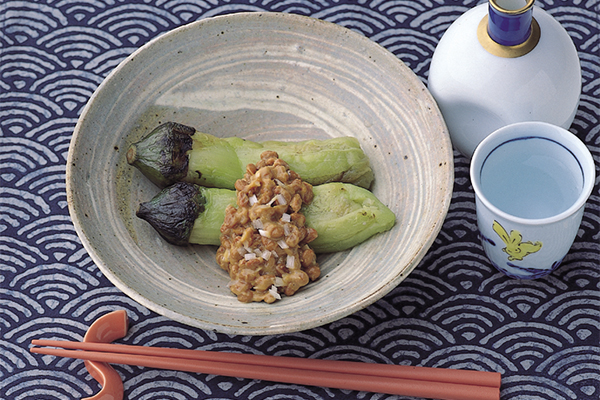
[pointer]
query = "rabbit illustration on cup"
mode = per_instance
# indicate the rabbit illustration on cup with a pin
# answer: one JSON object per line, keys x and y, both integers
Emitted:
{"x": 515, "y": 247}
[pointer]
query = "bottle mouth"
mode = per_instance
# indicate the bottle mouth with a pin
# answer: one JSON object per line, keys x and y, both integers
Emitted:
{"x": 512, "y": 7}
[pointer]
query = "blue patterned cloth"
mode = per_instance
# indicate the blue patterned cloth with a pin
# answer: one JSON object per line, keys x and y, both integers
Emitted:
{"x": 455, "y": 310}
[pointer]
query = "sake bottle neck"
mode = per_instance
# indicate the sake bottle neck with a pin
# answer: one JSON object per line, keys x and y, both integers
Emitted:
{"x": 510, "y": 21}
{"x": 509, "y": 29}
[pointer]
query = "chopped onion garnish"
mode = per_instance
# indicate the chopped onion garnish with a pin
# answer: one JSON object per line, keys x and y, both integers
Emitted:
{"x": 241, "y": 250}
{"x": 272, "y": 201}
{"x": 279, "y": 281}
{"x": 275, "y": 254}
{"x": 257, "y": 224}
{"x": 283, "y": 244}
{"x": 258, "y": 252}
{"x": 253, "y": 200}
{"x": 289, "y": 263}
{"x": 266, "y": 255}
{"x": 274, "y": 292}
{"x": 286, "y": 229}
{"x": 281, "y": 199}
{"x": 286, "y": 217}
{"x": 279, "y": 183}
{"x": 264, "y": 233}
{"x": 248, "y": 249}
{"x": 249, "y": 256}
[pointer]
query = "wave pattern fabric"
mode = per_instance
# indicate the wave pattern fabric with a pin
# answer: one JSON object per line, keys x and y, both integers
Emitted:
{"x": 454, "y": 311}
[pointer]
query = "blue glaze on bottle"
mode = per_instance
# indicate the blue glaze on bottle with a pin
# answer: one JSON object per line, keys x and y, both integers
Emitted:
{"x": 509, "y": 27}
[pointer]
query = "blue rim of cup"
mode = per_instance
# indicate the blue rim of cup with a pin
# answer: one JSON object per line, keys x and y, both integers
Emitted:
{"x": 550, "y": 132}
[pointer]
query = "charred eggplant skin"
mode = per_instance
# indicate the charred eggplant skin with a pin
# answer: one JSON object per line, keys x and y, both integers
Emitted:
{"x": 162, "y": 156}
{"x": 174, "y": 152}
{"x": 172, "y": 212}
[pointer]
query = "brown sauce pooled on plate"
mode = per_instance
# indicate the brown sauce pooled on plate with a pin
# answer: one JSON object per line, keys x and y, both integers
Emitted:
{"x": 264, "y": 241}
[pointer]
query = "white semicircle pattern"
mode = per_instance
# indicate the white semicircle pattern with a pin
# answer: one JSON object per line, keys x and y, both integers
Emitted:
{"x": 454, "y": 311}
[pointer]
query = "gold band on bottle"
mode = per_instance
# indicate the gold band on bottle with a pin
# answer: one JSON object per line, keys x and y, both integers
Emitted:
{"x": 499, "y": 50}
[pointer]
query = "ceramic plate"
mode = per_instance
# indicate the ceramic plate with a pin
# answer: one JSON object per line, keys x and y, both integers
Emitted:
{"x": 261, "y": 76}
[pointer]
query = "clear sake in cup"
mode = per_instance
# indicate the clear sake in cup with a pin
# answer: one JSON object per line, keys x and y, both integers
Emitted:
{"x": 531, "y": 182}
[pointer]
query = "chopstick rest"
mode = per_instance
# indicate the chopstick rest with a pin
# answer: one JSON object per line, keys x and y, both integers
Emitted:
{"x": 106, "y": 329}
{"x": 437, "y": 383}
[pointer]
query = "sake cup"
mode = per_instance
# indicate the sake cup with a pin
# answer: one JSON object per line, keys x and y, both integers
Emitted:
{"x": 531, "y": 182}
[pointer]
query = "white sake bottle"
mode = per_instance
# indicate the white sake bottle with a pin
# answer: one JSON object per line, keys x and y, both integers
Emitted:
{"x": 502, "y": 62}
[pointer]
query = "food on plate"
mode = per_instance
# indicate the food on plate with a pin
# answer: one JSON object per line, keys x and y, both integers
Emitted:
{"x": 174, "y": 152}
{"x": 264, "y": 239}
{"x": 270, "y": 228}
{"x": 344, "y": 215}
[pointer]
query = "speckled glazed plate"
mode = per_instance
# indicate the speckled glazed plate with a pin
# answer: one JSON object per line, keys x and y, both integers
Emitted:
{"x": 261, "y": 76}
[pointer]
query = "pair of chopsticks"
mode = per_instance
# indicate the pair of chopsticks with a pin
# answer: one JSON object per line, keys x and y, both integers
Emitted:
{"x": 435, "y": 383}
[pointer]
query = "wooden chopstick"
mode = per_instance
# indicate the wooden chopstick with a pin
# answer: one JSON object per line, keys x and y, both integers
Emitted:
{"x": 475, "y": 378}
{"x": 381, "y": 378}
